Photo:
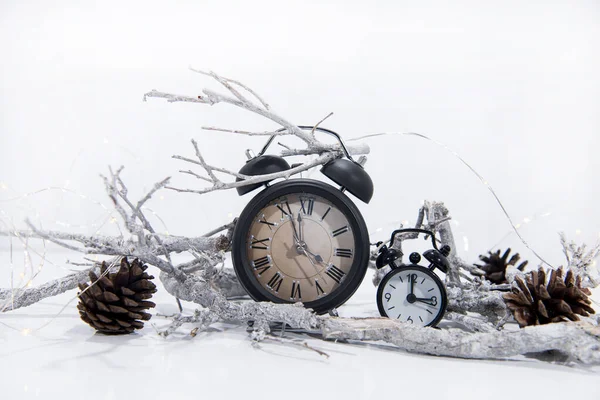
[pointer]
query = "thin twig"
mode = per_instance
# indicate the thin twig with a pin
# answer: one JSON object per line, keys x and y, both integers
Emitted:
{"x": 247, "y": 133}
{"x": 312, "y": 132}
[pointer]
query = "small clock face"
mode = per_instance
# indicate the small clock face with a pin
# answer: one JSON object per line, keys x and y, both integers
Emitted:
{"x": 412, "y": 294}
{"x": 300, "y": 242}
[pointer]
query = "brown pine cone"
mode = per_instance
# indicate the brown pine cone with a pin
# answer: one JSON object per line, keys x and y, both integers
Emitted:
{"x": 534, "y": 302}
{"x": 116, "y": 303}
{"x": 495, "y": 266}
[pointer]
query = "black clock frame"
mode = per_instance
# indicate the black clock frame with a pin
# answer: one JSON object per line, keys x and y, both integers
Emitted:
{"x": 425, "y": 270}
{"x": 355, "y": 276}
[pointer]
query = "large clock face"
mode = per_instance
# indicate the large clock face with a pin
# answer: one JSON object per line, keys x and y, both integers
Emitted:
{"x": 301, "y": 247}
{"x": 301, "y": 243}
{"x": 412, "y": 294}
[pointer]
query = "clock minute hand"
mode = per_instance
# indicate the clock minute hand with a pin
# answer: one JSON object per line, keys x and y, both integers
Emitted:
{"x": 295, "y": 233}
{"x": 431, "y": 301}
{"x": 300, "y": 233}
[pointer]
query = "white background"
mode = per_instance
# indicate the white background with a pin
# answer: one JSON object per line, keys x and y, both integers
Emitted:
{"x": 513, "y": 87}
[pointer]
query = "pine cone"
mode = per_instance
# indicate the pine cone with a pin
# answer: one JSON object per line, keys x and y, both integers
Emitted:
{"x": 534, "y": 302}
{"x": 495, "y": 266}
{"x": 117, "y": 301}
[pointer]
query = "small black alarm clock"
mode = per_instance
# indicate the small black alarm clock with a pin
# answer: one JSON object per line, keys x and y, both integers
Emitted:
{"x": 412, "y": 292}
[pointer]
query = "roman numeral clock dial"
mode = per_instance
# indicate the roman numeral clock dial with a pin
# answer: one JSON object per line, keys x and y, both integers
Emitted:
{"x": 306, "y": 244}
{"x": 300, "y": 247}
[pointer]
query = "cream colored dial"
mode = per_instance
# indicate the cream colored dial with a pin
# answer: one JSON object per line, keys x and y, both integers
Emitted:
{"x": 300, "y": 247}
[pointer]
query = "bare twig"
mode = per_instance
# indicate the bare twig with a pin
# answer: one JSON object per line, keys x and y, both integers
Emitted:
{"x": 312, "y": 132}
{"x": 247, "y": 133}
{"x": 294, "y": 343}
{"x": 582, "y": 262}
{"x": 249, "y": 90}
{"x": 326, "y": 152}
{"x": 259, "y": 178}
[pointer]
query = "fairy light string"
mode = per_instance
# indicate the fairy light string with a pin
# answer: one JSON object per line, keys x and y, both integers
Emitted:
{"x": 97, "y": 224}
{"x": 481, "y": 178}
{"x": 29, "y": 273}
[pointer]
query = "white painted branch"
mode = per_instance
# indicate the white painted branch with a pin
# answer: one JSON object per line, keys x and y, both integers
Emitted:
{"x": 172, "y": 98}
{"x": 324, "y": 158}
{"x": 219, "y": 98}
{"x": 96, "y": 244}
{"x": 579, "y": 341}
{"x": 582, "y": 262}
{"x": 487, "y": 303}
{"x": 326, "y": 152}
{"x": 201, "y": 318}
{"x": 190, "y": 172}
{"x": 11, "y": 300}
{"x": 201, "y": 292}
{"x": 246, "y": 88}
{"x": 471, "y": 323}
{"x": 211, "y": 97}
{"x": 354, "y": 149}
{"x": 317, "y": 148}
{"x": 247, "y": 133}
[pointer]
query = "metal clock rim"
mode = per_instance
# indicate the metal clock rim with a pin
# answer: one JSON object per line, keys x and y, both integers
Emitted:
{"x": 328, "y": 192}
{"x": 427, "y": 271}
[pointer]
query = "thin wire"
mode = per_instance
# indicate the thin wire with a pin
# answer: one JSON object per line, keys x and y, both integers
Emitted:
{"x": 530, "y": 221}
{"x": 52, "y": 188}
{"x": 481, "y": 178}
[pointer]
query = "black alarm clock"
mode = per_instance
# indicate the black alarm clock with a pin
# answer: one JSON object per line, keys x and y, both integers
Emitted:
{"x": 412, "y": 292}
{"x": 303, "y": 240}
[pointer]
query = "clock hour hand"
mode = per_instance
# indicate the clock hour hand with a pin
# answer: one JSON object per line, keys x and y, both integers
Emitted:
{"x": 306, "y": 253}
{"x": 317, "y": 257}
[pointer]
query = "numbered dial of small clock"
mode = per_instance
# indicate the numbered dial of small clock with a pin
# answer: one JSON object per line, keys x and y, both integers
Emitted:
{"x": 413, "y": 296}
{"x": 300, "y": 247}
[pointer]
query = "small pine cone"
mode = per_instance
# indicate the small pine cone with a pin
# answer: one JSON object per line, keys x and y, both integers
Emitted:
{"x": 117, "y": 302}
{"x": 534, "y": 302}
{"x": 223, "y": 243}
{"x": 495, "y": 266}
